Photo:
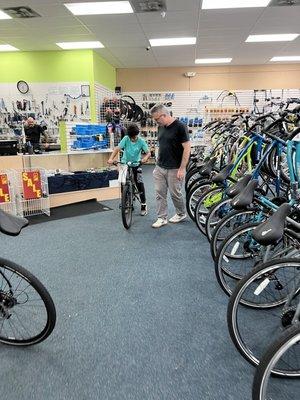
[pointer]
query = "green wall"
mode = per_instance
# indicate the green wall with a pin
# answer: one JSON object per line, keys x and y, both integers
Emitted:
{"x": 47, "y": 66}
{"x": 104, "y": 73}
{"x": 58, "y": 66}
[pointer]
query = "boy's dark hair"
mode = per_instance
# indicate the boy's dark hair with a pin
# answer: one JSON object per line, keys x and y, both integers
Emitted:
{"x": 133, "y": 130}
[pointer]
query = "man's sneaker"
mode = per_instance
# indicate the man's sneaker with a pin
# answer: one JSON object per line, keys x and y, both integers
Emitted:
{"x": 160, "y": 222}
{"x": 144, "y": 210}
{"x": 177, "y": 218}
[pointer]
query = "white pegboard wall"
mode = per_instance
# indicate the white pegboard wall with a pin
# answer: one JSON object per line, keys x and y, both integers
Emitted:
{"x": 101, "y": 92}
{"x": 192, "y": 104}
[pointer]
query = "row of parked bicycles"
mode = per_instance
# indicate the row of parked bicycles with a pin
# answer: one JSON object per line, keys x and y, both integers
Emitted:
{"x": 244, "y": 198}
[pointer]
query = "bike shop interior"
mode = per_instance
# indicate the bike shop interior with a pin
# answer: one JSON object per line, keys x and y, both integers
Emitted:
{"x": 207, "y": 308}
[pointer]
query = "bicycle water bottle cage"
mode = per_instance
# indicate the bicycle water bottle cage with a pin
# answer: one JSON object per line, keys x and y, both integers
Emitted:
{"x": 245, "y": 197}
{"x": 270, "y": 231}
{"x": 206, "y": 169}
{"x": 223, "y": 174}
{"x": 236, "y": 189}
{"x": 10, "y": 224}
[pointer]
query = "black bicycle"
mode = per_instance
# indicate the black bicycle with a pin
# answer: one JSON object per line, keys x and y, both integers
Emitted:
{"x": 129, "y": 193}
{"x": 27, "y": 311}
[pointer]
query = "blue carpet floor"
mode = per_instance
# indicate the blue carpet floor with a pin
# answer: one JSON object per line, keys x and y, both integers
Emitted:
{"x": 140, "y": 315}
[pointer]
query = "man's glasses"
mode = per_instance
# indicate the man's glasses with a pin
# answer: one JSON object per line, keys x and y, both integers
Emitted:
{"x": 157, "y": 118}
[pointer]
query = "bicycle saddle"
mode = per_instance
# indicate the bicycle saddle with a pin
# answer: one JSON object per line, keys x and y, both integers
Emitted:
{"x": 223, "y": 174}
{"x": 245, "y": 197}
{"x": 270, "y": 231}
{"x": 206, "y": 169}
{"x": 240, "y": 185}
{"x": 10, "y": 224}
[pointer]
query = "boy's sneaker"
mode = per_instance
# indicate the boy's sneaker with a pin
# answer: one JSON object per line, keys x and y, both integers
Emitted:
{"x": 177, "y": 218}
{"x": 160, "y": 222}
{"x": 144, "y": 210}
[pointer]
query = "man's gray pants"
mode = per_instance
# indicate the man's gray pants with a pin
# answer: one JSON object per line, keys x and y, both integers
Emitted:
{"x": 165, "y": 179}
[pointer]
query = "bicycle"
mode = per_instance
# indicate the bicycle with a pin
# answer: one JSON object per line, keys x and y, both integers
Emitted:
{"x": 129, "y": 193}
{"x": 27, "y": 311}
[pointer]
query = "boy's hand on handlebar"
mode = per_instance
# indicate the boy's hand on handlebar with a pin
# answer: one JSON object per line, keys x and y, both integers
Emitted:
{"x": 110, "y": 162}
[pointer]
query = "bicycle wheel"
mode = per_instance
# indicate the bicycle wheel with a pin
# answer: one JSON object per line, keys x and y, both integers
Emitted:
{"x": 265, "y": 292}
{"x": 205, "y": 203}
{"x": 228, "y": 224}
{"x": 127, "y": 205}
{"x": 236, "y": 257}
{"x": 215, "y": 215}
{"x": 194, "y": 195}
{"x": 27, "y": 311}
{"x": 285, "y": 353}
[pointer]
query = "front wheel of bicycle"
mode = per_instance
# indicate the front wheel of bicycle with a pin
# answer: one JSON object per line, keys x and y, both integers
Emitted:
{"x": 27, "y": 311}
{"x": 127, "y": 205}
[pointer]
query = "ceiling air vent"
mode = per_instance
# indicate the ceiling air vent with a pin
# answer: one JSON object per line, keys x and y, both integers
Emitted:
{"x": 21, "y": 12}
{"x": 278, "y": 3}
{"x": 141, "y": 6}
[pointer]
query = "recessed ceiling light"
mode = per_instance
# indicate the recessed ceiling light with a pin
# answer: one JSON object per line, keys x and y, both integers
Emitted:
{"x": 96, "y": 8}
{"x": 214, "y": 4}
{"x": 212, "y": 60}
{"x": 7, "y": 47}
{"x": 172, "y": 41}
{"x": 286, "y": 37}
{"x": 80, "y": 45}
{"x": 3, "y": 15}
{"x": 286, "y": 58}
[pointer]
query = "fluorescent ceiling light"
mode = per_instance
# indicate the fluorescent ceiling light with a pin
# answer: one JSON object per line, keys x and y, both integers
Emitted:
{"x": 172, "y": 41}
{"x": 7, "y": 47}
{"x": 80, "y": 45}
{"x": 214, "y": 4}
{"x": 212, "y": 60}
{"x": 286, "y": 37}
{"x": 96, "y": 8}
{"x": 3, "y": 15}
{"x": 286, "y": 58}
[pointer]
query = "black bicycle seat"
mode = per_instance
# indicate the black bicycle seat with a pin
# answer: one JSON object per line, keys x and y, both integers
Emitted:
{"x": 245, "y": 197}
{"x": 223, "y": 174}
{"x": 10, "y": 224}
{"x": 270, "y": 231}
{"x": 206, "y": 169}
{"x": 236, "y": 189}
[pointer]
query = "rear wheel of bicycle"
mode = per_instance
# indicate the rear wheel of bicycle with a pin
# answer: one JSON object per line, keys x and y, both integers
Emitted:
{"x": 194, "y": 195}
{"x": 204, "y": 204}
{"x": 27, "y": 311}
{"x": 285, "y": 354}
{"x": 127, "y": 205}
{"x": 265, "y": 291}
{"x": 215, "y": 215}
{"x": 228, "y": 224}
{"x": 236, "y": 257}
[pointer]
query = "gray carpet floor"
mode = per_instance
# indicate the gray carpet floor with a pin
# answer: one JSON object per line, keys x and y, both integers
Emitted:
{"x": 139, "y": 313}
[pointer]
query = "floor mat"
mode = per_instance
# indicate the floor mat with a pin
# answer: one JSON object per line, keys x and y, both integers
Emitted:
{"x": 69, "y": 211}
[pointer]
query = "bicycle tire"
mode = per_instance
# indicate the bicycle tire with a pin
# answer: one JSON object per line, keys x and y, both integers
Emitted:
{"x": 127, "y": 205}
{"x": 12, "y": 298}
{"x": 278, "y": 348}
{"x": 201, "y": 215}
{"x": 236, "y": 300}
{"x": 194, "y": 195}
{"x": 220, "y": 271}
{"x": 215, "y": 212}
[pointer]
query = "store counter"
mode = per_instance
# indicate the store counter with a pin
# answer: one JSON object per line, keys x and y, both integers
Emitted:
{"x": 71, "y": 161}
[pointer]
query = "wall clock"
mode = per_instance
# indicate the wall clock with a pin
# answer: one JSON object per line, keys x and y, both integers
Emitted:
{"x": 23, "y": 87}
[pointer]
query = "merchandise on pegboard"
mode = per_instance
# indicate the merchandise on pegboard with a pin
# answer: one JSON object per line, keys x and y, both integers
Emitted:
{"x": 91, "y": 137}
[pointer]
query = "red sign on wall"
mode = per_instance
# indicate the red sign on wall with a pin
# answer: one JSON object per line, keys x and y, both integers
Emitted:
{"x": 4, "y": 189}
{"x": 32, "y": 185}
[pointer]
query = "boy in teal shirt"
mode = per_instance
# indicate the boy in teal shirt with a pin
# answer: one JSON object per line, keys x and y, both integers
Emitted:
{"x": 132, "y": 146}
